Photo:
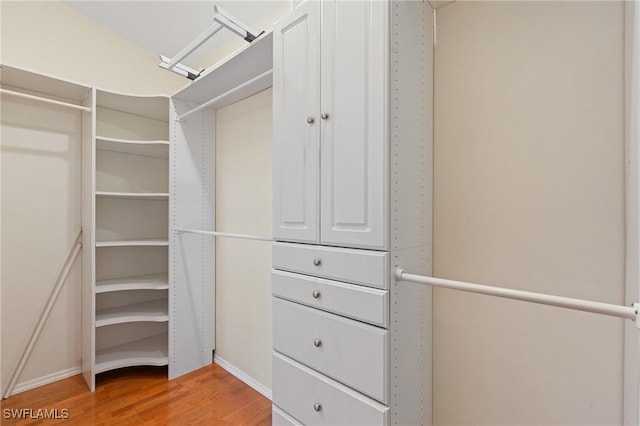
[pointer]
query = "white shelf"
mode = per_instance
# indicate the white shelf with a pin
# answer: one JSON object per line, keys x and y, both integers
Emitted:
{"x": 150, "y": 351}
{"x": 245, "y": 64}
{"x": 141, "y": 282}
{"x": 43, "y": 84}
{"x": 154, "y": 310}
{"x": 154, "y": 107}
{"x": 147, "y": 148}
{"x": 134, "y": 195}
{"x": 140, "y": 242}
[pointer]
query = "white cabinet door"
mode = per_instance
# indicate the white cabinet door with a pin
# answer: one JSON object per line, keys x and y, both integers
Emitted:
{"x": 354, "y": 123}
{"x": 296, "y": 126}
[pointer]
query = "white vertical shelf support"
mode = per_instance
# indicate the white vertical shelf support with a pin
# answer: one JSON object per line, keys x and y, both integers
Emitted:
{"x": 191, "y": 260}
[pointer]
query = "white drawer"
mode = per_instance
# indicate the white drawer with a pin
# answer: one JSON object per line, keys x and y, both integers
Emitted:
{"x": 365, "y": 267}
{"x": 297, "y": 389}
{"x": 280, "y": 418}
{"x": 349, "y": 351}
{"x": 354, "y": 301}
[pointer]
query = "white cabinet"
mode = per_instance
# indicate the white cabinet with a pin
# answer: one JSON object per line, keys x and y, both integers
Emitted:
{"x": 352, "y": 182}
{"x": 296, "y": 131}
{"x": 330, "y": 127}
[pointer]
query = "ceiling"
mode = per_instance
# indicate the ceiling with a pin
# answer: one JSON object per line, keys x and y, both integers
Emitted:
{"x": 165, "y": 27}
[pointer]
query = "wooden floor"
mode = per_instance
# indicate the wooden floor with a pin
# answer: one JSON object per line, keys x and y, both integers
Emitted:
{"x": 144, "y": 396}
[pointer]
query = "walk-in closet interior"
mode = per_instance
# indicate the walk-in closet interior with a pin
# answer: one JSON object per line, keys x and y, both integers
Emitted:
{"x": 324, "y": 198}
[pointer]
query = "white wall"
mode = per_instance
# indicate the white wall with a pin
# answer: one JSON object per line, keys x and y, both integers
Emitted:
{"x": 529, "y": 194}
{"x": 51, "y": 38}
{"x": 40, "y": 213}
{"x": 243, "y": 205}
{"x": 40, "y": 172}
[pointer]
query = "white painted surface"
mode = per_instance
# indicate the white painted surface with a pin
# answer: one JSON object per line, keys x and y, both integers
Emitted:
{"x": 351, "y": 352}
{"x": 88, "y": 188}
{"x": 296, "y": 125}
{"x": 280, "y": 418}
{"x": 243, "y": 205}
{"x": 191, "y": 266}
{"x": 353, "y": 301}
{"x": 364, "y": 267}
{"x": 355, "y": 212}
{"x": 354, "y": 136}
{"x": 335, "y": 401}
{"x": 120, "y": 220}
{"x": 529, "y": 194}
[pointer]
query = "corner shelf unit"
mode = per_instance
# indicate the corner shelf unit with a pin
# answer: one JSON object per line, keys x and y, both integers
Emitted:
{"x": 126, "y": 199}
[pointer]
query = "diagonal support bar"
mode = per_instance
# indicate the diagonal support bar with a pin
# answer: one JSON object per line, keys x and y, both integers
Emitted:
{"x": 62, "y": 277}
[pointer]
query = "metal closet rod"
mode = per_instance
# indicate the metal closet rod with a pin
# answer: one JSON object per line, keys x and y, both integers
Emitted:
{"x": 628, "y": 312}
{"x": 46, "y": 100}
{"x": 223, "y": 234}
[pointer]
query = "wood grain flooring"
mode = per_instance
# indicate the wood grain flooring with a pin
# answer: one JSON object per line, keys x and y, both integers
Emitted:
{"x": 144, "y": 396}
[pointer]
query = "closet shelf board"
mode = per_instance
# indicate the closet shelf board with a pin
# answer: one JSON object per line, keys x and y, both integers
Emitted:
{"x": 43, "y": 84}
{"x": 243, "y": 65}
{"x": 145, "y": 148}
{"x": 150, "y": 351}
{"x": 140, "y": 282}
{"x": 154, "y": 310}
{"x": 162, "y": 196}
{"x": 158, "y": 242}
{"x": 154, "y": 107}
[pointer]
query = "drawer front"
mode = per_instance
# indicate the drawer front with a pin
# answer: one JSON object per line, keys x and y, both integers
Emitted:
{"x": 280, "y": 418}
{"x": 348, "y": 351}
{"x": 365, "y": 267}
{"x": 354, "y": 301}
{"x": 297, "y": 389}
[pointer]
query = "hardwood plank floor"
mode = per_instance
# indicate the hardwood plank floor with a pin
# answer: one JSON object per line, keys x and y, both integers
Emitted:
{"x": 144, "y": 396}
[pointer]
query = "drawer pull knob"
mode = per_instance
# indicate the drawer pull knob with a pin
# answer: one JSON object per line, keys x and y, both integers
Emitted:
{"x": 310, "y": 120}
{"x": 317, "y": 261}
{"x": 317, "y": 343}
{"x": 324, "y": 115}
{"x": 316, "y": 294}
{"x": 317, "y": 407}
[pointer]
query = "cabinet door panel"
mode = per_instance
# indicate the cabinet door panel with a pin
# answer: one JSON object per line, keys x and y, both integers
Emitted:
{"x": 354, "y": 135}
{"x": 296, "y": 101}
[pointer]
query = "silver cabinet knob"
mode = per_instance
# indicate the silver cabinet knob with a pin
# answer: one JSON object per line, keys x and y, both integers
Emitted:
{"x": 317, "y": 407}
{"x": 311, "y": 120}
{"x": 324, "y": 115}
{"x": 316, "y": 294}
{"x": 317, "y": 343}
{"x": 317, "y": 261}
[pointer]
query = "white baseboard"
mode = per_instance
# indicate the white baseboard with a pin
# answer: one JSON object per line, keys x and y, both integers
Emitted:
{"x": 45, "y": 380}
{"x": 243, "y": 376}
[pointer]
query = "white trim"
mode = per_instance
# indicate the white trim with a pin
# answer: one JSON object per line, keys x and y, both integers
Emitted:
{"x": 235, "y": 371}
{"x": 45, "y": 380}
